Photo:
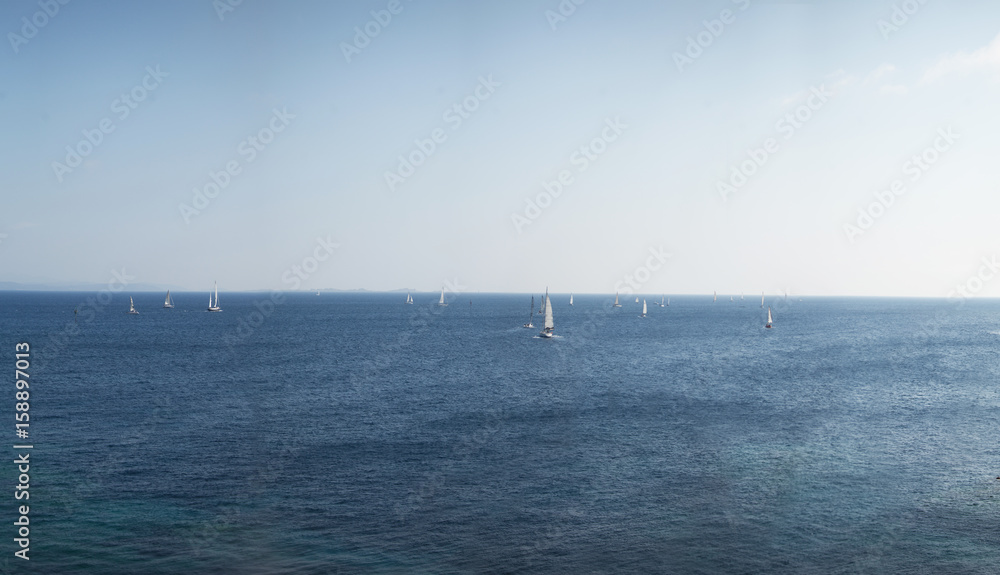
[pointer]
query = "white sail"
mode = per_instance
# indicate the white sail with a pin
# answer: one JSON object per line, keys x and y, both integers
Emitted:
{"x": 131, "y": 305}
{"x": 570, "y": 299}
{"x": 549, "y": 325}
{"x": 616, "y": 299}
{"x": 441, "y": 301}
{"x": 214, "y": 306}
{"x": 643, "y": 307}
{"x": 167, "y": 301}
{"x": 769, "y": 320}
{"x": 715, "y": 296}
{"x": 636, "y": 300}
{"x": 761, "y": 300}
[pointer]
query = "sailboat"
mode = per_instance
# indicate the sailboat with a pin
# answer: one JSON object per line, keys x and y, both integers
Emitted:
{"x": 441, "y": 301}
{"x": 730, "y": 298}
{"x": 637, "y": 299}
{"x": 531, "y": 313}
{"x": 643, "y": 309}
{"x": 168, "y": 303}
{"x": 769, "y": 321}
{"x": 214, "y": 306}
{"x": 549, "y": 326}
{"x": 661, "y": 301}
{"x": 715, "y": 297}
{"x": 131, "y": 306}
{"x": 317, "y": 292}
{"x": 668, "y": 302}
{"x": 761, "y": 300}
{"x": 541, "y": 308}
{"x": 570, "y": 299}
{"x": 409, "y": 299}
{"x": 616, "y": 301}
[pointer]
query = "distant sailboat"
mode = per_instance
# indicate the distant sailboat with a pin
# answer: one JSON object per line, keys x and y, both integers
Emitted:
{"x": 730, "y": 298}
{"x": 661, "y": 301}
{"x": 769, "y": 321}
{"x": 570, "y": 299}
{"x": 549, "y": 325}
{"x": 214, "y": 306}
{"x": 409, "y": 299}
{"x": 531, "y": 313}
{"x": 643, "y": 309}
{"x": 441, "y": 301}
{"x": 616, "y": 301}
{"x": 715, "y": 297}
{"x": 131, "y": 306}
{"x": 317, "y": 292}
{"x": 637, "y": 300}
{"x": 168, "y": 303}
{"x": 541, "y": 308}
{"x": 761, "y": 300}
{"x": 668, "y": 302}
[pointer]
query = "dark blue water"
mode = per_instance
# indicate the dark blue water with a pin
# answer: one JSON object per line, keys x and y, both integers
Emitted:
{"x": 351, "y": 433}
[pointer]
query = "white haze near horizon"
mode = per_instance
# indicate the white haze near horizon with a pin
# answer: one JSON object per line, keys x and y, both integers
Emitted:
{"x": 547, "y": 87}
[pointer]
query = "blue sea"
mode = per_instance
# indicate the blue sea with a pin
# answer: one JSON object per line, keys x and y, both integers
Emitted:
{"x": 351, "y": 433}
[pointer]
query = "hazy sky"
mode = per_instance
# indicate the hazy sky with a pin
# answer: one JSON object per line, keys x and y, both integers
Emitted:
{"x": 312, "y": 117}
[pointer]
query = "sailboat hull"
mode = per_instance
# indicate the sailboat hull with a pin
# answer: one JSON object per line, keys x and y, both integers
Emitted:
{"x": 546, "y": 334}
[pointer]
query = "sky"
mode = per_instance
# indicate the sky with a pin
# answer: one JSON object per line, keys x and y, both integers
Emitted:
{"x": 819, "y": 148}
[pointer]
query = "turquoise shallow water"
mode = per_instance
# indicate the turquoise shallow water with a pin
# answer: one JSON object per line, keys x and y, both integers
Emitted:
{"x": 349, "y": 433}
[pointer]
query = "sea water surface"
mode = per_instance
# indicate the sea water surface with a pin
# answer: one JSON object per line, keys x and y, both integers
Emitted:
{"x": 351, "y": 433}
